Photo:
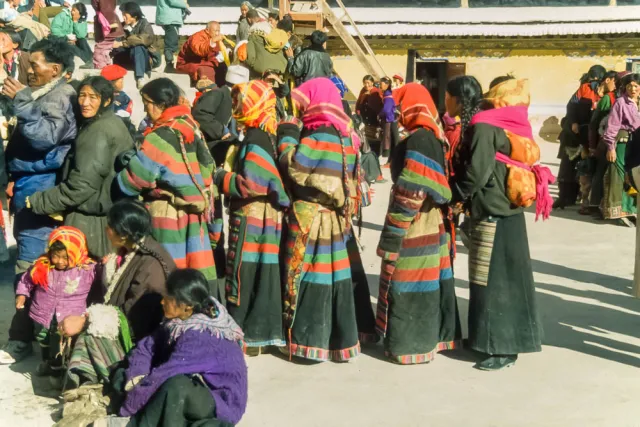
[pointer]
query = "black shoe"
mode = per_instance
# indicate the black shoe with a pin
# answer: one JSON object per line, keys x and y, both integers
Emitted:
{"x": 496, "y": 362}
{"x": 559, "y": 204}
{"x": 169, "y": 68}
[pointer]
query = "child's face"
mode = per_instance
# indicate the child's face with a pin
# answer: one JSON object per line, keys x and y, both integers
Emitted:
{"x": 118, "y": 85}
{"x": 174, "y": 310}
{"x": 59, "y": 259}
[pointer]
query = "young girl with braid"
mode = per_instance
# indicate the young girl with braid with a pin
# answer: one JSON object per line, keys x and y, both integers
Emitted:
{"x": 133, "y": 282}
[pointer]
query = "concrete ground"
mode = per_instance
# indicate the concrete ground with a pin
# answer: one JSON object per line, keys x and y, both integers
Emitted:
{"x": 586, "y": 375}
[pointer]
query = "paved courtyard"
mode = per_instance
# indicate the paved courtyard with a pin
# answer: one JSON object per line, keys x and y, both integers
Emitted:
{"x": 586, "y": 375}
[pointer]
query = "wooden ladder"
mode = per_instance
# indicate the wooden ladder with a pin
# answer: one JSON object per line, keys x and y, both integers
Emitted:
{"x": 318, "y": 12}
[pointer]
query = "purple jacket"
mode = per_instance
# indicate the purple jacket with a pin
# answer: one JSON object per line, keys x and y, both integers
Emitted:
{"x": 388, "y": 113}
{"x": 65, "y": 296}
{"x": 624, "y": 116}
{"x": 220, "y": 362}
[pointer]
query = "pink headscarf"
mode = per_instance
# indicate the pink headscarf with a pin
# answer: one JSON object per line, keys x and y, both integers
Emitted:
{"x": 319, "y": 104}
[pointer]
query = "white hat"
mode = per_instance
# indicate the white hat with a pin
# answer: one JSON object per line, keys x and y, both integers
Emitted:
{"x": 237, "y": 74}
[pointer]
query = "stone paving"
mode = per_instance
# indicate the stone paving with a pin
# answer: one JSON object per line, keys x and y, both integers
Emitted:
{"x": 587, "y": 374}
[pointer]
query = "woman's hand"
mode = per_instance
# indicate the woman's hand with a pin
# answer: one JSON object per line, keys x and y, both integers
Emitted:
{"x": 117, "y": 44}
{"x": 20, "y": 300}
{"x": 72, "y": 325}
{"x": 611, "y": 156}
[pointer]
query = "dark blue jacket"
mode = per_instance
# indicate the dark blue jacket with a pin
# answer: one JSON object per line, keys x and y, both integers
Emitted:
{"x": 38, "y": 147}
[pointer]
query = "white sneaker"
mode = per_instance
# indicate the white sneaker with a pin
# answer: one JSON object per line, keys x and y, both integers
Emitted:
{"x": 140, "y": 83}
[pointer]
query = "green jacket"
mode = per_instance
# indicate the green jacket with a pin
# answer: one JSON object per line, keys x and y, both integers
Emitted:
{"x": 480, "y": 180}
{"x": 260, "y": 60}
{"x": 169, "y": 12}
{"x": 63, "y": 25}
{"x": 84, "y": 194}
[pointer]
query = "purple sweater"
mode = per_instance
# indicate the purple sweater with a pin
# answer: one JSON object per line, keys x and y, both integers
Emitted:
{"x": 219, "y": 361}
{"x": 65, "y": 296}
{"x": 624, "y": 116}
{"x": 388, "y": 113}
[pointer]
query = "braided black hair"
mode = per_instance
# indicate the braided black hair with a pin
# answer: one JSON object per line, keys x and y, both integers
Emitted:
{"x": 469, "y": 94}
{"x": 131, "y": 219}
{"x": 189, "y": 286}
{"x": 156, "y": 255}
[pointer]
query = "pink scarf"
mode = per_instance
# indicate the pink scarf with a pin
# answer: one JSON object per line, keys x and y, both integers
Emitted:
{"x": 319, "y": 104}
{"x": 516, "y": 120}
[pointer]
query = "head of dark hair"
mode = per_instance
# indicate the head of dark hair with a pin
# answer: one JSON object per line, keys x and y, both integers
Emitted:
{"x": 596, "y": 73}
{"x": 368, "y": 78}
{"x": 55, "y": 51}
{"x": 387, "y": 81}
{"x": 275, "y": 15}
{"x": 82, "y": 10}
{"x": 286, "y": 24}
{"x": 132, "y": 8}
{"x": 253, "y": 14}
{"x": 163, "y": 92}
{"x": 189, "y": 286}
{"x": 130, "y": 219}
{"x": 631, "y": 78}
{"x": 102, "y": 87}
{"x": 610, "y": 75}
{"x": 495, "y": 82}
{"x": 318, "y": 38}
{"x": 57, "y": 246}
{"x": 469, "y": 93}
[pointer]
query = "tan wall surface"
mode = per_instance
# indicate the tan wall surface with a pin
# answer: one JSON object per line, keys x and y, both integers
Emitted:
{"x": 350, "y": 70}
{"x": 553, "y": 78}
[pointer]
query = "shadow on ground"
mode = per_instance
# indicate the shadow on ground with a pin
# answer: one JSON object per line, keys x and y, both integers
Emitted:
{"x": 597, "y": 325}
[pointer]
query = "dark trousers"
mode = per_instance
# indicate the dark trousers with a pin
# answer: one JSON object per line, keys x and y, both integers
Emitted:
{"x": 22, "y": 326}
{"x": 181, "y": 401}
{"x": 170, "y": 42}
{"x": 134, "y": 58}
{"x": 82, "y": 50}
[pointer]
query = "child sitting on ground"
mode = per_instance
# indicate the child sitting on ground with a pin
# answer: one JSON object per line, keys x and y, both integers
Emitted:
{"x": 58, "y": 285}
{"x": 192, "y": 368}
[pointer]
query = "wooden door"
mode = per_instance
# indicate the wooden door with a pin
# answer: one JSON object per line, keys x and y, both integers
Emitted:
{"x": 455, "y": 69}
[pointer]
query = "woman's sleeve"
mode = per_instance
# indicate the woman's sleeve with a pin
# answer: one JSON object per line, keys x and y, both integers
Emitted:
{"x": 90, "y": 168}
{"x": 144, "y": 168}
{"x": 482, "y": 155}
{"x": 260, "y": 173}
{"x": 178, "y": 364}
{"x": 80, "y": 30}
{"x": 57, "y": 25}
{"x": 140, "y": 358}
{"x": 422, "y": 177}
{"x": 613, "y": 125}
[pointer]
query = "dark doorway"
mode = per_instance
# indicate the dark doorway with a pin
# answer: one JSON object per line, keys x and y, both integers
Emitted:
{"x": 435, "y": 74}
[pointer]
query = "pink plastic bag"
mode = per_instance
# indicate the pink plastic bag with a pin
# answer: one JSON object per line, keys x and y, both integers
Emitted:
{"x": 104, "y": 23}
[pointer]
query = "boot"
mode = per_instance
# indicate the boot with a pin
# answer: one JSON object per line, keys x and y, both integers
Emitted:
{"x": 497, "y": 362}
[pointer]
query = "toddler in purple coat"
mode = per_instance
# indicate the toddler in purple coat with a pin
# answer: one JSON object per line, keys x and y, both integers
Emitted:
{"x": 57, "y": 285}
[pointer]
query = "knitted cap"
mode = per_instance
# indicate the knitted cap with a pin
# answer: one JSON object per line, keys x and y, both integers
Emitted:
{"x": 113, "y": 72}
